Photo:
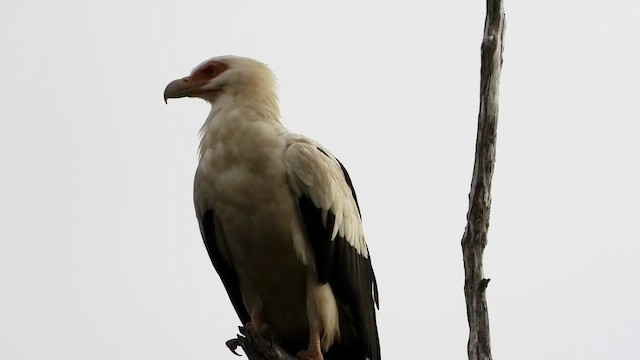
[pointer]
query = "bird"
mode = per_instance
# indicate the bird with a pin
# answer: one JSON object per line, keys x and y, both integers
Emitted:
{"x": 280, "y": 219}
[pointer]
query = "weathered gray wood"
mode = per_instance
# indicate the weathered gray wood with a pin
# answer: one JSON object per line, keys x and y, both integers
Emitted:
{"x": 256, "y": 347}
{"x": 474, "y": 239}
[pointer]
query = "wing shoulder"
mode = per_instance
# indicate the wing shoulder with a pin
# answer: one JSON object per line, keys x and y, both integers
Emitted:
{"x": 317, "y": 175}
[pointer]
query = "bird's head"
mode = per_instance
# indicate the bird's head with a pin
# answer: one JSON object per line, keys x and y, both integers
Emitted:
{"x": 232, "y": 75}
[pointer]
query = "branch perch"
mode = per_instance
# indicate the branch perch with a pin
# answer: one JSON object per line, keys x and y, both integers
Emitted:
{"x": 474, "y": 239}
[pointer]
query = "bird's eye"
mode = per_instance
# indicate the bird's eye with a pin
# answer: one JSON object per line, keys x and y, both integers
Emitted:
{"x": 210, "y": 70}
{"x": 213, "y": 69}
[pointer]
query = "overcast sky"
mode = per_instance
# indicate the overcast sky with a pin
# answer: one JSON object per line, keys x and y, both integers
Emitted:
{"x": 100, "y": 253}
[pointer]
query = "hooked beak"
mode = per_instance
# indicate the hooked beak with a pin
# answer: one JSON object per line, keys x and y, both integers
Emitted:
{"x": 177, "y": 89}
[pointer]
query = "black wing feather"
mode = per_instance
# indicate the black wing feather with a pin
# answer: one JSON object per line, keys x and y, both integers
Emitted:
{"x": 350, "y": 274}
{"x": 225, "y": 270}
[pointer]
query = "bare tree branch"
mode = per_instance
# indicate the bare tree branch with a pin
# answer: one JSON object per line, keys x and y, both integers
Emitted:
{"x": 474, "y": 239}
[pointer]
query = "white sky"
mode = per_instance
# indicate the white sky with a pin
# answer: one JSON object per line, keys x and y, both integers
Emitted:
{"x": 100, "y": 254}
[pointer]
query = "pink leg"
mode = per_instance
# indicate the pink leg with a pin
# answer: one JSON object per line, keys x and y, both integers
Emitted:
{"x": 313, "y": 352}
{"x": 256, "y": 325}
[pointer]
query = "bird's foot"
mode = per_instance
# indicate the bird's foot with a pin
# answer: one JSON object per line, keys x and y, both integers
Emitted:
{"x": 313, "y": 352}
{"x": 256, "y": 329}
{"x": 310, "y": 355}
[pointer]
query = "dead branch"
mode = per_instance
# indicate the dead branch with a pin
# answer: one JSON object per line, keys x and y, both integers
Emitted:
{"x": 474, "y": 239}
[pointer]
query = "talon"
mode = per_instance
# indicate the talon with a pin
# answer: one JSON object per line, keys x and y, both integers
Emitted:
{"x": 233, "y": 344}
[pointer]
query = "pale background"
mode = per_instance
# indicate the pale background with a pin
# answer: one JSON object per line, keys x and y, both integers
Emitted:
{"x": 100, "y": 254}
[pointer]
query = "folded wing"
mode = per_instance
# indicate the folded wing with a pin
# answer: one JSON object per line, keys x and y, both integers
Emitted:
{"x": 328, "y": 206}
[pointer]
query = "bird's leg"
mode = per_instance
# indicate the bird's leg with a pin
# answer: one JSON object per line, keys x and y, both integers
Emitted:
{"x": 256, "y": 326}
{"x": 313, "y": 352}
